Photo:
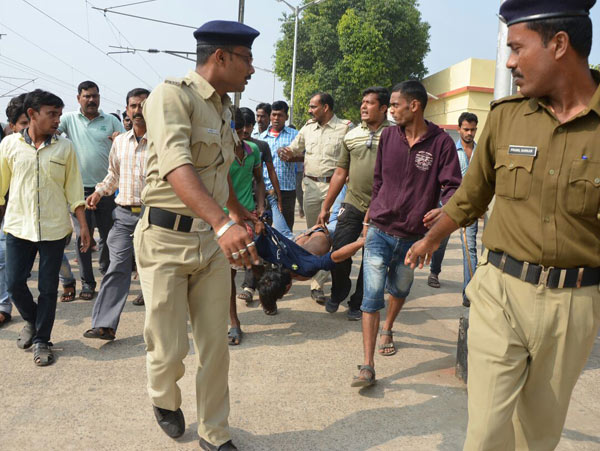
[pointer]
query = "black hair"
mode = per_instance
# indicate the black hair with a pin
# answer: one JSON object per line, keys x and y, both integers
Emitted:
{"x": 325, "y": 99}
{"x": 39, "y": 98}
{"x": 266, "y": 107}
{"x": 204, "y": 51}
{"x": 85, "y": 85}
{"x": 272, "y": 286}
{"x": 249, "y": 117}
{"x": 467, "y": 117}
{"x": 579, "y": 30}
{"x": 124, "y": 114}
{"x": 16, "y": 108}
{"x": 117, "y": 116}
{"x": 136, "y": 93}
{"x": 412, "y": 90}
{"x": 383, "y": 95}
{"x": 280, "y": 105}
{"x": 238, "y": 119}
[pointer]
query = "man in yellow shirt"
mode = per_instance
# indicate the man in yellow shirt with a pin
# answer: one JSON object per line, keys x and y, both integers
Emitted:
{"x": 40, "y": 168}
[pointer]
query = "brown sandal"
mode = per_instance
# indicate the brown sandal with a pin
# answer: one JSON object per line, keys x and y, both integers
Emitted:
{"x": 101, "y": 333}
{"x": 68, "y": 294}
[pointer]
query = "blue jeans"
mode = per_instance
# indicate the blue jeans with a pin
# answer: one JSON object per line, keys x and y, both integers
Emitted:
{"x": 471, "y": 232}
{"x": 5, "y": 304}
{"x": 21, "y": 254}
{"x": 67, "y": 279}
{"x": 384, "y": 269}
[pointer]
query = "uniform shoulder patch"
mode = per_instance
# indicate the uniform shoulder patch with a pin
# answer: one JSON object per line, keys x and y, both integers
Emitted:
{"x": 514, "y": 98}
{"x": 174, "y": 81}
{"x": 310, "y": 121}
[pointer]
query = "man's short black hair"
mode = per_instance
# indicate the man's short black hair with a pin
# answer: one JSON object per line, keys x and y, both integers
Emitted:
{"x": 116, "y": 115}
{"x": 579, "y": 30}
{"x": 15, "y": 108}
{"x": 325, "y": 99}
{"x": 204, "y": 51}
{"x": 272, "y": 286}
{"x": 266, "y": 107}
{"x": 280, "y": 105}
{"x": 85, "y": 85}
{"x": 238, "y": 119}
{"x": 124, "y": 114}
{"x": 383, "y": 95}
{"x": 248, "y": 114}
{"x": 135, "y": 93}
{"x": 39, "y": 98}
{"x": 467, "y": 117}
{"x": 412, "y": 90}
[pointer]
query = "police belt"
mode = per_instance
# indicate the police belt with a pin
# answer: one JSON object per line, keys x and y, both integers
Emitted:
{"x": 319, "y": 179}
{"x": 172, "y": 221}
{"x": 548, "y": 276}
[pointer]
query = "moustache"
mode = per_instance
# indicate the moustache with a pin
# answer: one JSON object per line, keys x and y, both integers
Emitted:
{"x": 92, "y": 104}
{"x": 516, "y": 74}
{"x": 135, "y": 116}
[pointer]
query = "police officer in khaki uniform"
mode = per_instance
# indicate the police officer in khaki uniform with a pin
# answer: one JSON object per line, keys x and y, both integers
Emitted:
{"x": 535, "y": 298}
{"x": 319, "y": 145}
{"x": 184, "y": 239}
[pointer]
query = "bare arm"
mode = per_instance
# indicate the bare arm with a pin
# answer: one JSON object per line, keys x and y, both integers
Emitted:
{"x": 260, "y": 190}
{"x": 274, "y": 181}
{"x": 83, "y": 228}
{"x": 335, "y": 186}
{"x": 347, "y": 251}
{"x": 420, "y": 253}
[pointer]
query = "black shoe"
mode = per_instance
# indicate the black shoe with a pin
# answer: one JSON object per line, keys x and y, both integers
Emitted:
{"x": 318, "y": 296}
{"x": 331, "y": 306}
{"x": 172, "y": 422}
{"x": 354, "y": 315}
{"x": 433, "y": 281}
{"x": 227, "y": 446}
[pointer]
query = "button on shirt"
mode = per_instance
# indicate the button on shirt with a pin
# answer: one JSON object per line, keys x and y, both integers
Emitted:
{"x": 321, "y": 145}
{"x": 91, "y": 141}
{"x": 44, "y": 184}
{"x": 286, "y": 172}
{"x": 359, "y": 152}
{"x": 126, "y": 170}
{"x": 463, "y": 159}
{"x": 546, "y": 178}
{"x": 188, "y": 123}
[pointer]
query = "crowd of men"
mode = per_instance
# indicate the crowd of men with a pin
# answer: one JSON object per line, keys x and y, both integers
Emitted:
{"x": 189, "y": 189}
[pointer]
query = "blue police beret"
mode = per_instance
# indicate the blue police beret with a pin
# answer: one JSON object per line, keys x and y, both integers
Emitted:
{"x": 517, "y": 11}
{"x": 225, "y": 32}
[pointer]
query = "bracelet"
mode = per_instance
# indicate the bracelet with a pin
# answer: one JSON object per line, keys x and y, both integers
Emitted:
{"x": 224, "y": 229}
{"x": 366, "y": 224}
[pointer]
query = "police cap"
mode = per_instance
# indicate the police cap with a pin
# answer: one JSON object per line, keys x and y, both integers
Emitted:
{"x": 225, "y": 32}
{"x": 517, "y": 11}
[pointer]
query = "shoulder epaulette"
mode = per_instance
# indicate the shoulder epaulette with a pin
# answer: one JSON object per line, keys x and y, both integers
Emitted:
{"x": 310, "y": 121}
{"x": 513, "y": 98}
{"x": 174, "y": 81}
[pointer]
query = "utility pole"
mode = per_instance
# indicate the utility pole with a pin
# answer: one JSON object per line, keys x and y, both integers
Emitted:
{"x": 238, "y": 95}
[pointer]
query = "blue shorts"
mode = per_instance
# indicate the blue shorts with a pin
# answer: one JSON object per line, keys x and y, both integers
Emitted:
{"x": 384, "y": 269}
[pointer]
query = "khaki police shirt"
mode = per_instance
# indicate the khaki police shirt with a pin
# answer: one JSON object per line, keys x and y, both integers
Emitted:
{"x": 321, "y": 145}
{"x": 359, "y": 152}
{"x": 546, "y": 178}
{"x": 188, "y": 123}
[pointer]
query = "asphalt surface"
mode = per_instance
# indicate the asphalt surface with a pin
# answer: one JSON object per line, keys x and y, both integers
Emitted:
{"x": 289, "y": 381}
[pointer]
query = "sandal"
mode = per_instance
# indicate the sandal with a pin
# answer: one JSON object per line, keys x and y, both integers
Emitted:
{"x": 42, "y": 354}
{"x": 101, "y": 333}
{"x": 68, "y": 294}
{"x": 270, "y": 312}
{"x": 235, "y": 336}
{"x": 87, "y": 292}
{"x": 359, "y": 381}
{"x": 4, "y": 318}
{"x": 246, "y": 295}
{"x": 139, "y": 300}
{"x": 25, "y": 339}
{"x": 384, "y": 347}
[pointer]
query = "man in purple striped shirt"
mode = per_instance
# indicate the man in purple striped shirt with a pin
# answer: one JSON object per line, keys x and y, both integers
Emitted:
{"x": 415, "y": 161}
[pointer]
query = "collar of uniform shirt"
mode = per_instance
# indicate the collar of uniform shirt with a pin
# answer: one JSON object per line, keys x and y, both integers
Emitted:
{"x": 328, "y": 124}
{"x": 205, "y": 89}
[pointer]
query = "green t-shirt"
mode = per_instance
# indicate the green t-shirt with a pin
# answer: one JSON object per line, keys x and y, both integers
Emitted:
{"x": 242, "y": 174}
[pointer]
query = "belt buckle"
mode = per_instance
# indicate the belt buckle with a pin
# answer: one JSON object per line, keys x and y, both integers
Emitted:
{"x": 544, "y": 275}
{"x": 136, "y": 210}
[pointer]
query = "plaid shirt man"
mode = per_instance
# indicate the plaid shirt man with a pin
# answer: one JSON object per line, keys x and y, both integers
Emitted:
{"x": 463, "y": 159}
{"x": 126, "y": 170}
{"x": 286, "y": 172}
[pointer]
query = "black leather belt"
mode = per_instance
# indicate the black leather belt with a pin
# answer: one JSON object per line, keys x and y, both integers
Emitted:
{"x": 173, "y": 221}
{"x": 539, "y": 275}
{"x": 319, "y": 179}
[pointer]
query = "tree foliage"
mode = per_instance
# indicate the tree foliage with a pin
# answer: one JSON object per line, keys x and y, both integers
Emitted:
{"x": 345, "y": 46}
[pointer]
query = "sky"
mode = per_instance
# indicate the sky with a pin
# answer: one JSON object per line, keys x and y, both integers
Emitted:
{"x": 64, "y": 42}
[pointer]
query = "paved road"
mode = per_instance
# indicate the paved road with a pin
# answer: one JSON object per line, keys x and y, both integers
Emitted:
{"x": 289, "y": 382}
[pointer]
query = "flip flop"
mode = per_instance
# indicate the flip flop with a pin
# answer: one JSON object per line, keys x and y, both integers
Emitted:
{"x": 361, "y": 381}
{"x": 25, "y": 339}
{"x": 42, "y": 354}
{"x": 235, "y": 336}
{"x": 384, "y": 347}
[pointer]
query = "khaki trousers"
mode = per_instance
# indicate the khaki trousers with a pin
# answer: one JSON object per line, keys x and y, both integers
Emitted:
{"x": 527, "y": 347}
{"x": 314, "y": 195}
{"x": 186, "y": 274}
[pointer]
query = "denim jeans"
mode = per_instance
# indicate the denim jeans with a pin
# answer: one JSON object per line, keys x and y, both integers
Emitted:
{"x": 384, "y": 269}
{"x": 5, "y": 304}
{"x": 20, "y": 255}
{"x": 471, "y": 233}
{"x": 67, "y": 279}
{"x": 438, "y": 256}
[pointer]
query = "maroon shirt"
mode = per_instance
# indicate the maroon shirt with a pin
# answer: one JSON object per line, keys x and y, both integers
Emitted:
{"x": 408, "y": 181}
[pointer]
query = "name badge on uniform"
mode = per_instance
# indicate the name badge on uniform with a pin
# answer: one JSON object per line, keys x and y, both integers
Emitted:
{"x": 527, "y": 151}
{"x": 213, "y": 131}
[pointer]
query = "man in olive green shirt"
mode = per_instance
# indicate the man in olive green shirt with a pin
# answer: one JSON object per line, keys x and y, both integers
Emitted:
{"x": 535, "y": 298}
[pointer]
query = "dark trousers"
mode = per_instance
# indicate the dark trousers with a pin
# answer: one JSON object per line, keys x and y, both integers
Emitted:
{"x": 20, "y": 255}
{"x": 249, "y": 280}
{"x": 348, "y": 229}
{"x": 438, "y": 257}
{"x": 288, "y": 203}
{"x": 102, "y": 217}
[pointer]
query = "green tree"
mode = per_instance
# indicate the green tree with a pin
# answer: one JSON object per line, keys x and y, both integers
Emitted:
{"x": 345, "y": 46}
{"x": 595, "y": 66}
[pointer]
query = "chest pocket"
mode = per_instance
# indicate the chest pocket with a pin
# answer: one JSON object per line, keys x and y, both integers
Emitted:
{"x": 206, "y": 148}
{"x": 56, "y": 168}
{"x": 333, "y": 147}
{"x": 583, "y": 191}
{"x": 513, "y": 175}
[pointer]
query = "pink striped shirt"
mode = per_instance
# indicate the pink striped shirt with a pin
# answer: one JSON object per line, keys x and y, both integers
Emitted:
{"x": 126, "y": 170}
